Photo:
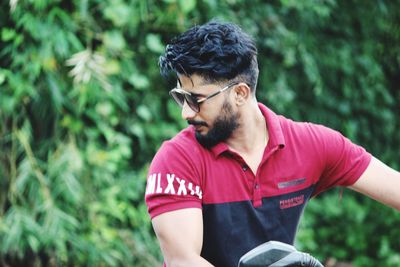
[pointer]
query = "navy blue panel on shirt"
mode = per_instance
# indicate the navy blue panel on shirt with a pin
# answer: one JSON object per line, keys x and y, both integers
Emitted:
{"x": 232, "y": 229}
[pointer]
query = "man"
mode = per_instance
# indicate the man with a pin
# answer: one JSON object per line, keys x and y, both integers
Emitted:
{"x": 240, "y": 175}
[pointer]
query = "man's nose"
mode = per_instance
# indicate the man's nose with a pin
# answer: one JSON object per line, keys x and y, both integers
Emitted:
{"x": 187, "y": 112}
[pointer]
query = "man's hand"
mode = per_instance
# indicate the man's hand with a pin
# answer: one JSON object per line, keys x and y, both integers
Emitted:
{"x": 180, "y": 234}
{"x": 381, "y": 183}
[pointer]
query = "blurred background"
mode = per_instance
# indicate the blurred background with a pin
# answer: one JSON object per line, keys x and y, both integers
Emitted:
{"x": 83, "y": 109}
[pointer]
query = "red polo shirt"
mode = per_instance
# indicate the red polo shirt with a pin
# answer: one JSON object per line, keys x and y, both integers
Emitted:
{"x": 246, "y": 208}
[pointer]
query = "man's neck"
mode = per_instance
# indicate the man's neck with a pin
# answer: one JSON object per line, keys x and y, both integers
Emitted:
{"x": 252, "y": 134}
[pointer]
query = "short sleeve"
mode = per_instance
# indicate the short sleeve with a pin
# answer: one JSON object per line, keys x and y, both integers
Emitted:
{"x": 173, "y": 181}
{"x": 344, "y": 161}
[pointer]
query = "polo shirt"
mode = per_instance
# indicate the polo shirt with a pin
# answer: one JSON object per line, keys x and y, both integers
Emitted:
{"x": 242, "y": 209}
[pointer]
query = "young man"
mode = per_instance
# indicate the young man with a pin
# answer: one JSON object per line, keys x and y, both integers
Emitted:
{"x": 240, "y": 175}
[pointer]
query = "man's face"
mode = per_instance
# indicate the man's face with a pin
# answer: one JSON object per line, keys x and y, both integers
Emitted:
{"x": 217, "y": 118}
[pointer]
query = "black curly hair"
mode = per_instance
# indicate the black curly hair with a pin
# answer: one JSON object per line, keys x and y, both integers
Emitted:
{"x": 216, "y": 51}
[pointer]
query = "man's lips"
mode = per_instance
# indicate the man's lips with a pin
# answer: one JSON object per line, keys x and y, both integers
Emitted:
{"x": 197, "y": 127}
{"x": 197, "y": 124}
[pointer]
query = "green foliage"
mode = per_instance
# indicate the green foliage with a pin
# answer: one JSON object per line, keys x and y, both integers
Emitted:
{"x": 351, "y": 228}
{"x": 83, "y": 109}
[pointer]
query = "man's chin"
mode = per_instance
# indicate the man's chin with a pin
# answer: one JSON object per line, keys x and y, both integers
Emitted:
{"x": 205, "y": 140}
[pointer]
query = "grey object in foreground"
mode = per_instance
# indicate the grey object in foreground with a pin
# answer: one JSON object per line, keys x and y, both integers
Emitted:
{"x": 277, "y": 254}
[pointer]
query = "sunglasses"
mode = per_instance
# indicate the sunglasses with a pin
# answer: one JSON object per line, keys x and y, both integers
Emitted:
{"x": 193, "y": 101}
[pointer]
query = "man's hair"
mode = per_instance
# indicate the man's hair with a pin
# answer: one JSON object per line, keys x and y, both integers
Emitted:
{"x": 216, "y": 51}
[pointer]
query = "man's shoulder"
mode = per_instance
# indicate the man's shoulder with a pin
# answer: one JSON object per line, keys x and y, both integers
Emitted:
{"x": 302, "y": 127}
{"x": 288, "y": 132}
{"x": 280, "y": 122}
{"x": 185, "y": 139}
{"x": 183, "y": 144}
{"x": 306, "y": 133}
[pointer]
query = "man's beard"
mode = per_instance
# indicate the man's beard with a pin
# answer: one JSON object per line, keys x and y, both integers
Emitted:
{"x": 222, "y": 129}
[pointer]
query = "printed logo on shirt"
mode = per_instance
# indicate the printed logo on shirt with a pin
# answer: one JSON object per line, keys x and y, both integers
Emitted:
{"x": 291, "y": 202}
{"x": 291, "y": 183}
{"x": 174, "y": 186}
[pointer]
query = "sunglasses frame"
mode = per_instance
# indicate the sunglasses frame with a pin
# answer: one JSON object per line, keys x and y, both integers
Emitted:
{"x": 192, "y": 100}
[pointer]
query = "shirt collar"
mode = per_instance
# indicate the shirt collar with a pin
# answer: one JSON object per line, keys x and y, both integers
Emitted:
{"x": 276, "y": 138}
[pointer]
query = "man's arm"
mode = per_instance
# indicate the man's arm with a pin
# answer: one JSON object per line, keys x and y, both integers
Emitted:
{"x": 180, "y": 234}
{"x": 381, "y": 183}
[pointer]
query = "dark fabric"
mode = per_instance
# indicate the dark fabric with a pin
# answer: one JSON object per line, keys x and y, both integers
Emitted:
{"x": 232, "y": 229}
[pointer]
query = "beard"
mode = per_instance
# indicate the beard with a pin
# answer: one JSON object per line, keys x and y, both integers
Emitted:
{"x": 222, "y": 128}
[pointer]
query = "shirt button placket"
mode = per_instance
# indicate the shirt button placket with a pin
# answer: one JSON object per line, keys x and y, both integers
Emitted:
{"x": 257, "y": 195}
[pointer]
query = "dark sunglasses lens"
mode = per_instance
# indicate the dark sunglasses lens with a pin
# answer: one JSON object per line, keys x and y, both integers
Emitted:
{"x": 192, "y": 102}
{"x": 179, "y": 98}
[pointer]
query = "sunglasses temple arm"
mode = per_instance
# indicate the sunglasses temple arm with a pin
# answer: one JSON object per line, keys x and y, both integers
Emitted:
{"x": 216, "y": 93}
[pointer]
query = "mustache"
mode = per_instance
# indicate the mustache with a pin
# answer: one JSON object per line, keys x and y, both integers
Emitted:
{"x": 197, "y": 123}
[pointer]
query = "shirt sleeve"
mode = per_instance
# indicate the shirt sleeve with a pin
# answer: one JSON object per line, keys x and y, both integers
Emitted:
{"x": 173, "y": 181}
{"x": 344, "y": 161}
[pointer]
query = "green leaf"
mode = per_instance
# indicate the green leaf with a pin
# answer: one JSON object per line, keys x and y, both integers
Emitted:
{"x": 8, "y": 104}
{"x": 55, "y": 92}
{"x": 118, "y": 13}
{"x": 153, "y": 42}
{"x": 34, "y": 243}
{"x": 112, "y": 67}
{"x": 144, "y": 113}
{"x": 139, "y": 81}
{"x": 104, "y": 108}
{"x": 187, "y": 5}
{"x": 7, "y": 34}
{"x": 73, "y": 124}
{"x": 137, "y": 130}
{"x": 2, "y": 77}
{"x": 114, "y": 40}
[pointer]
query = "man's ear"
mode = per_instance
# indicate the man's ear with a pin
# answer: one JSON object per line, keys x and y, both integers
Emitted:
{"x": 242, "y": 93}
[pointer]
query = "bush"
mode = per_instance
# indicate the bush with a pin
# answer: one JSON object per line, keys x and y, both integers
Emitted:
{"x": 83, "y": 109}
